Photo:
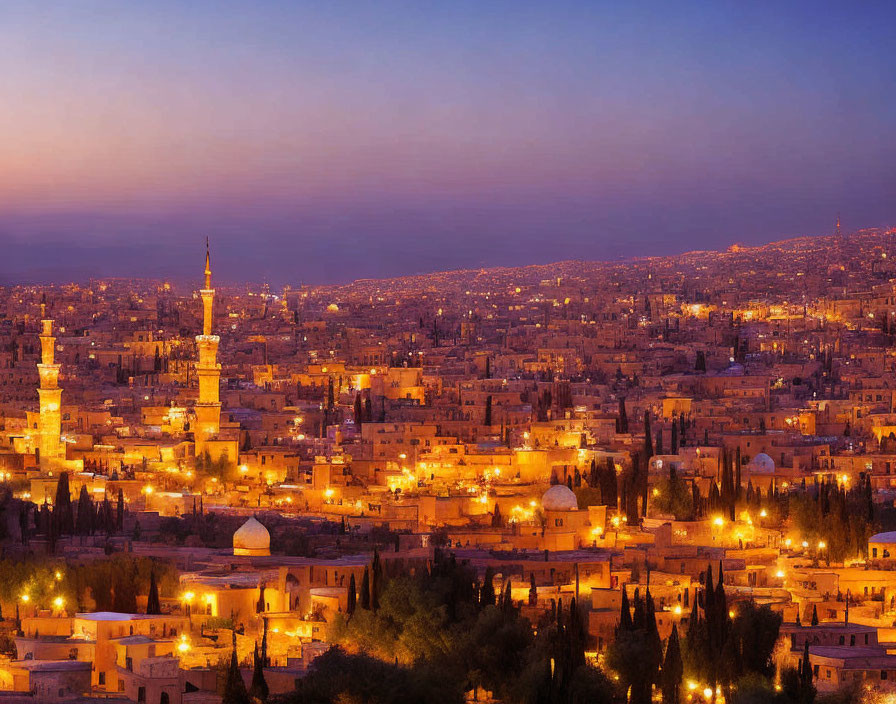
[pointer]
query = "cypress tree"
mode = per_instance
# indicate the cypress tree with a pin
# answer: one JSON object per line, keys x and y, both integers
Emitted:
{"x": 507, "y": 598}
{"x": 153, "y": 607}
{"x": 807, "y": 691}
{"x": 709, "y": 599}
{"x": 654, "y": 642}
{"x": 625, "y": 614}
{"x": 814, "y": 615}
{"x": 487, "y": 593}
{"x": 721, "y": 607}
{"x": 673, "y": 670}
{"x": 623, "y": 416}
{"x": 365, "y": 590}
{"x": 119, "y": 513}
{"x": 234, "y": 687}
{"x": 258, "y": 689}
{"x": 359, "y": 411}
{"x": 639, "y": 618}
{"x": 376, "y": 582}
{"x": 352, "y": 596}
{"x": 85, "y": 512}
{"x": 533, "y": 590}
{"x": 62, "y": 506}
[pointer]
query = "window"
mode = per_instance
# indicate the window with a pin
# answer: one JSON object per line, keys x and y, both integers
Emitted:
{"x": 141, "y": 694}
{"x": 852, "y": 640}
{"x": 102, "y": 679}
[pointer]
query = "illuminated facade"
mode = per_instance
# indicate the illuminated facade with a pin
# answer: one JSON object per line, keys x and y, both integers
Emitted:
{"x": 50, "y": 425}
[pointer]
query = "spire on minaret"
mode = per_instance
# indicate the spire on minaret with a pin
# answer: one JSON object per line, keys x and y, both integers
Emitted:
{"x": 208, "y": 266}
{"x": 208, "y": 406}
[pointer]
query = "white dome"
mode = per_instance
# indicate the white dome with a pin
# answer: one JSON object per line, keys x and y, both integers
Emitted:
{"x": 252, "y": 539}
{"x": 559, "y": 498}
{"x": 762, "y": 464}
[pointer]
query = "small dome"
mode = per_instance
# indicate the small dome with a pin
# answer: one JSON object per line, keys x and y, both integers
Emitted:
{"x": 762, "y": 464}
{"x": 252, "y": 539}
{"x": 559, "y": 498}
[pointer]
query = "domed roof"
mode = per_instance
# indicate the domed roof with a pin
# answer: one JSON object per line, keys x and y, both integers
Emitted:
{"x": 762, "y": 464}
{"x": 559, "y": 498}
{"x": 888, "y": 537}
{"x": 252, "y": 539}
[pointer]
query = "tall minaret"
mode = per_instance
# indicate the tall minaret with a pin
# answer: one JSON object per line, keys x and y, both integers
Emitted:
{"x": 50, "y": 396}
{"x": 208, "y": 407}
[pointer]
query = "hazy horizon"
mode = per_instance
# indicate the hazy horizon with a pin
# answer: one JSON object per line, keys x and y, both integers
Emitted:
{"x": 192, "y": 271}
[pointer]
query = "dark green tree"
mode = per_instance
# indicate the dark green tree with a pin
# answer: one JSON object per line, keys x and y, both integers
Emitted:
{"x": 365, "y": 590}
{"x": 62, "y": 506}
{"x": 673, "y": 670}
{"x": 153, "y": 607}
{"x": 352, "y": 596}
{"x": 234, "y": 687}
{"x": 85, "y": 512}
{"x": 258, "y": 689}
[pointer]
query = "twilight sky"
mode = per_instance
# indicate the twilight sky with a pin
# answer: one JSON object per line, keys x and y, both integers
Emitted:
{"x": 327, "y": 141}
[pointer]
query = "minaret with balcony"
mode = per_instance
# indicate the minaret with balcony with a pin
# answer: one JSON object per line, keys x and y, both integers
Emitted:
{"x": 208, "y": 407}
{"x": 50, "y": 425}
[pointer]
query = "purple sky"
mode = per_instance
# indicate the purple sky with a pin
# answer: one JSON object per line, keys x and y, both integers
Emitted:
{"x": 322, "y": 142}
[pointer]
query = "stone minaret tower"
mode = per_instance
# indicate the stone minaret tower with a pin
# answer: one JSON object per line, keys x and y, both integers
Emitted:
{"x": 50, "y": 395}
{"x": 208, "y": 408}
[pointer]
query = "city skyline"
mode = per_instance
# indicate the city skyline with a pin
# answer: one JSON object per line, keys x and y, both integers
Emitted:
{"x": 326, "y": 144}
